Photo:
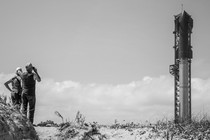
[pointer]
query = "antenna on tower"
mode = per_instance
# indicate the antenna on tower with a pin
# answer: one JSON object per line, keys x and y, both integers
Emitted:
{"x": 182, "y": 8}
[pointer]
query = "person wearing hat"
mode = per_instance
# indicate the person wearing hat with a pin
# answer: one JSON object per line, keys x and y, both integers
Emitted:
{"x": 29, "y": 79}
{"x": 16, "y": 88}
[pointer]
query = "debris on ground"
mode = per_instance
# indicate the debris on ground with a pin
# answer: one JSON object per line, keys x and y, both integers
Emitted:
{"x": 47, "y": 123}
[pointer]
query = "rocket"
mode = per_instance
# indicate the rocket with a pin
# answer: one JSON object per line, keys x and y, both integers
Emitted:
{"x": 184, "y": 23}
{"x": 182, "y": 67}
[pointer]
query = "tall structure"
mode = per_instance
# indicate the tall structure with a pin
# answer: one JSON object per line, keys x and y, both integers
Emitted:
{"x": 181, "y": 69}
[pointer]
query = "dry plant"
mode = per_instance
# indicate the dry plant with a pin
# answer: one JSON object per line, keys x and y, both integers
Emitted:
{"x": 125, "y": 125}
{"x": 5, "y": 100}
{"x": 14, "y": 125}
{"x": 48, "y": 123}
{"x": 80, "y": 119}
{"x": 59, "y": 115}
{"x": 80, "y": 130}
{"x": 197, "y": 129}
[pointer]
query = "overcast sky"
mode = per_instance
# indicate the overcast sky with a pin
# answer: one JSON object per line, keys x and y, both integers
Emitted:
{"x": 109, "y": 59}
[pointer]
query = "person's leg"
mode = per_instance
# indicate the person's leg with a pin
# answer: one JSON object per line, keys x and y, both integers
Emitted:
{"x": 32, "y": 102}
{"x": 25, "y": 104}
{"x": 16, "y": 101}
{"x": 19, "y": 100}
{"x": 13, "y": 98}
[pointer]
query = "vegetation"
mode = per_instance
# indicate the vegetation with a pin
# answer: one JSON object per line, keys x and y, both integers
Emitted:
{"x": 48, "y": 123}
{"x": 79, "y": 129}
{"x": 13, "y": 124}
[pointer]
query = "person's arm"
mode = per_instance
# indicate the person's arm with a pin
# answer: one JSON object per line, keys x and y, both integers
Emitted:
{"x": 7, "y": 84}
{"x": 36, "y": 75}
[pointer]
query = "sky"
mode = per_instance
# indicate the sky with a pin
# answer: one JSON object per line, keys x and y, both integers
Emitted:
{"x": 108, "y": 59}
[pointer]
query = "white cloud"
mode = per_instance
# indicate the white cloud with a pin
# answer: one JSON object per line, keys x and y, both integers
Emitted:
{"x": 104, "y": 103}
{"x": 147, "y": 99}
{"x": 200, "y": 96}
{"x": 3, "y": 79}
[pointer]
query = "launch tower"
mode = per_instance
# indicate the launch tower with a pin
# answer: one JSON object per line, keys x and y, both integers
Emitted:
{"x": 181, "y": 69}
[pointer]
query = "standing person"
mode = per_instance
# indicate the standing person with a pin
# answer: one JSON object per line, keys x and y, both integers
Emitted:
{"x": 29, "y": 79}
{"x": 16, "y": 88}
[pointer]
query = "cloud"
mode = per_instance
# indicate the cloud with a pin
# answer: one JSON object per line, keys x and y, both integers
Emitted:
{"x": 200, "y": 96}
{"x": 3, "y": 79}
{"x": 138, "y": 100}
{"x": 150, "y": 99}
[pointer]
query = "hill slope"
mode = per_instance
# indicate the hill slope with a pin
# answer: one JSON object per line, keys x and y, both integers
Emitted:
{"x": 13, "y": 125}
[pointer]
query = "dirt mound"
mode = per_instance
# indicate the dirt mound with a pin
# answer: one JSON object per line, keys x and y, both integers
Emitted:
{"x": 13, "y": 125}
{"x": 75, "y": 131}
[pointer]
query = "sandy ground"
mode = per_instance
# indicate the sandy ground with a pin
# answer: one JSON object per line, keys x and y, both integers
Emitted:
{"x": 50, "y": 133}
{"x": 47, "y": 133}
{"x": 131, "y": 134}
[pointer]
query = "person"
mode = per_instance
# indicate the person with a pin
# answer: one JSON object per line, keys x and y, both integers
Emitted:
{"x": 29, "y": 79}
{"x": 16, "y": 88}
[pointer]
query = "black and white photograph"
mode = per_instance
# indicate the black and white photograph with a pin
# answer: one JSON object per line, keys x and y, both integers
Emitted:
{"x": 104, "y": 70}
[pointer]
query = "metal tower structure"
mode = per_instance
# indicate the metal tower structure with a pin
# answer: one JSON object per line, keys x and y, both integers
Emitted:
{"x": 181, "y": 69}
